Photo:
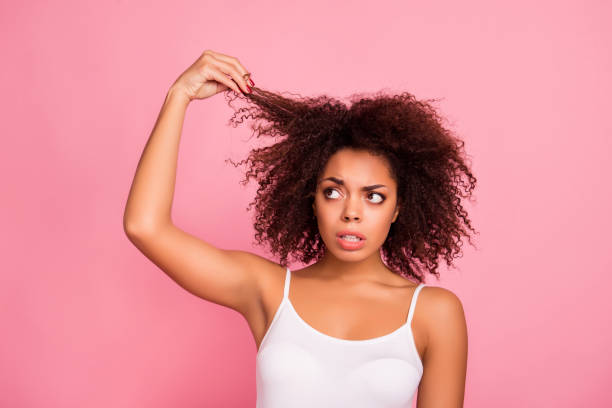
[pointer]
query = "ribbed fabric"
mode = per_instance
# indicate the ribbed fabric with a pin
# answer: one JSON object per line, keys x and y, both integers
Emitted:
{"x": 299, "y": 366}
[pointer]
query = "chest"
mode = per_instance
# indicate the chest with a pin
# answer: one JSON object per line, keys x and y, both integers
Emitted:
{"x": 344, "y": 359}
{"x": 358, "y": 314}
{"x": 361, "y": 313}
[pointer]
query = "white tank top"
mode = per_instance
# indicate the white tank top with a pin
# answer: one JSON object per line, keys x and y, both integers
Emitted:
{"x": 299, "y": 366}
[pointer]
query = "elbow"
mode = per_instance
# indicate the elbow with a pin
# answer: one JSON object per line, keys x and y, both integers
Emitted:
{"x": 141, "y": 229}
{"x": 133, "y": 229}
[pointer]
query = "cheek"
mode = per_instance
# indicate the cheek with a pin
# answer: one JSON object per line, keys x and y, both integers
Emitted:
{"x": 379, "y": 221}
{"x": 327, "y": 214}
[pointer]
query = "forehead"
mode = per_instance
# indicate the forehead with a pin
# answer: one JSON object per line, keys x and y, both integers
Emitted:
{"x": 359, "y": 166}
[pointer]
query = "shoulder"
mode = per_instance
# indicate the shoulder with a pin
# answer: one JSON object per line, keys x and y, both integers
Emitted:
{"x": 270, "y": 279}
{"x": 443, "y": 316}
{"x": 267, "y": 275}
{"x": 446, "y": 350}
{"x": 440, "y": 302}
{"x": 261, "y": 270}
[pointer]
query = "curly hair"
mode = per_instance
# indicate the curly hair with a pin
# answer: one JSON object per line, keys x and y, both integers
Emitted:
{"x": 426, "y": 160}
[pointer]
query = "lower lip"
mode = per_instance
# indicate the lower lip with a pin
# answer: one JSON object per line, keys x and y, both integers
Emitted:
{"x": 350, "y": 245}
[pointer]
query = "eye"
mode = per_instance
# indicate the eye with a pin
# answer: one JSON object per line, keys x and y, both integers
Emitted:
{"x": 329, "y": 190}
{"x": 382, "y": 197}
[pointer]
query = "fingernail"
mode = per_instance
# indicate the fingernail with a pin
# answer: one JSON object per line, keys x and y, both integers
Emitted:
{"x": 251, "y": 81}
{"x": 249, "y": 88}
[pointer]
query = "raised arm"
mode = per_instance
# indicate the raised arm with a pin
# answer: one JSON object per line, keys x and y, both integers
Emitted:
{"x": 226, "y": 277}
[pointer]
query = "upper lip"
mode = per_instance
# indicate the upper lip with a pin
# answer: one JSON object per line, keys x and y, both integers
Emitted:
{"x": 349, "y": 232}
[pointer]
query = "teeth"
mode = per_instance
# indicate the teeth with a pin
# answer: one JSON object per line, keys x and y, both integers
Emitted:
{"x": 351, "y": 238}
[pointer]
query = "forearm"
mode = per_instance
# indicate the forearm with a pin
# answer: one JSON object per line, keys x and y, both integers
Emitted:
{"x": 149, "y": 202}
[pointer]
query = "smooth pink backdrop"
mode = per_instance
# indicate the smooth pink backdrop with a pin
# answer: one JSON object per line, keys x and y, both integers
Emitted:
{"x": 88, "y": 321}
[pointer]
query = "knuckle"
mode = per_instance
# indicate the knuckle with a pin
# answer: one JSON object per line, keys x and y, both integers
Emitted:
{"x": 207, "y": 71}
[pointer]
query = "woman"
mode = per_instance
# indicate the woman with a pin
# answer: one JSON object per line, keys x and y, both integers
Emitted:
{"x": 347, "y": 187}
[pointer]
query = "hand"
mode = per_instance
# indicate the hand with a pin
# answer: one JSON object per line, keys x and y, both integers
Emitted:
{"x": 208, "y": 76}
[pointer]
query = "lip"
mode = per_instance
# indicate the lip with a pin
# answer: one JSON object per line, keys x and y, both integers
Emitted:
{"x": 349, "y": 232}
{"x": 350, "y": 245}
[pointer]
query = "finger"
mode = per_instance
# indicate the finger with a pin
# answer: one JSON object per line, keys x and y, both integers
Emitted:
{"x": 229, "y": 69}
{"x": 231, "y": 60}
{"x": 221, "y": 87}
{"x": 223, "y": 79}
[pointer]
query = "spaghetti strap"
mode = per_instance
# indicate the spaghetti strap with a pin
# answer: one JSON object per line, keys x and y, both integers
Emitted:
{"x": 287, "y": 281}
{"x": 294, "y": 358}
{"x": 413, "y": 302}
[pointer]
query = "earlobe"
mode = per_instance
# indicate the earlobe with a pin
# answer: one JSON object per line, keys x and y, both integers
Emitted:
{"x": 395, "y": 215}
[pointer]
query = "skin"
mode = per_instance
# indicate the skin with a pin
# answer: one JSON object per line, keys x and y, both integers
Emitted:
{"x": 347, "y": 294}
{"x": 356, "y": 281}
{"x": 339, "y": 207}
{"x": 353, "y": 295}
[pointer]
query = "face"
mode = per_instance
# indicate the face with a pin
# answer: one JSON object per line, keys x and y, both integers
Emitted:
{"x": 355, "y": 193}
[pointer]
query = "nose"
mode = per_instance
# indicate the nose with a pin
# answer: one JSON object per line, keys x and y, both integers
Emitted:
{"x": 352, "y": 210}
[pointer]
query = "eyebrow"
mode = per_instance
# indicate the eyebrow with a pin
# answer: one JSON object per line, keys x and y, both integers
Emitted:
{"x": 341, "y": 182}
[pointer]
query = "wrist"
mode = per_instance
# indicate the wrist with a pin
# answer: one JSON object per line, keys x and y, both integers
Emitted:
{"x": 178, "y": 95}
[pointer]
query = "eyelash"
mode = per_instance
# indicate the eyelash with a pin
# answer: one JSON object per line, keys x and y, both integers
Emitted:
{"x": 372, "y": 192}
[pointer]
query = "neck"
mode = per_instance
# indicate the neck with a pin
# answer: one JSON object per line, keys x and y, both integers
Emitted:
{"x": 368, "y": 269}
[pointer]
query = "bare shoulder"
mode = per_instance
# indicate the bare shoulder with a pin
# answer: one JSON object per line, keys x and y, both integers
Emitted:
{"x": 270, "y": 278}
{"x": 445, "y": 359}
{"x": 440, "y": 301}
{"x": 442, "y": 314}
{"x": 258, "y": 264}
{"x": 266, "y": 273}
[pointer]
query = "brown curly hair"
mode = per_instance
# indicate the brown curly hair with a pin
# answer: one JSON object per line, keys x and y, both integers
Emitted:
{"x": 426, "y": 159}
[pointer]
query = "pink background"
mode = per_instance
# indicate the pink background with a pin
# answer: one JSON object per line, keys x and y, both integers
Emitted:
{"x": 88, "y": 321}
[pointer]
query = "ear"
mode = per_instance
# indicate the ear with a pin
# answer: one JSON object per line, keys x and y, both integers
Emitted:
{"x": 395, "y": 214}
